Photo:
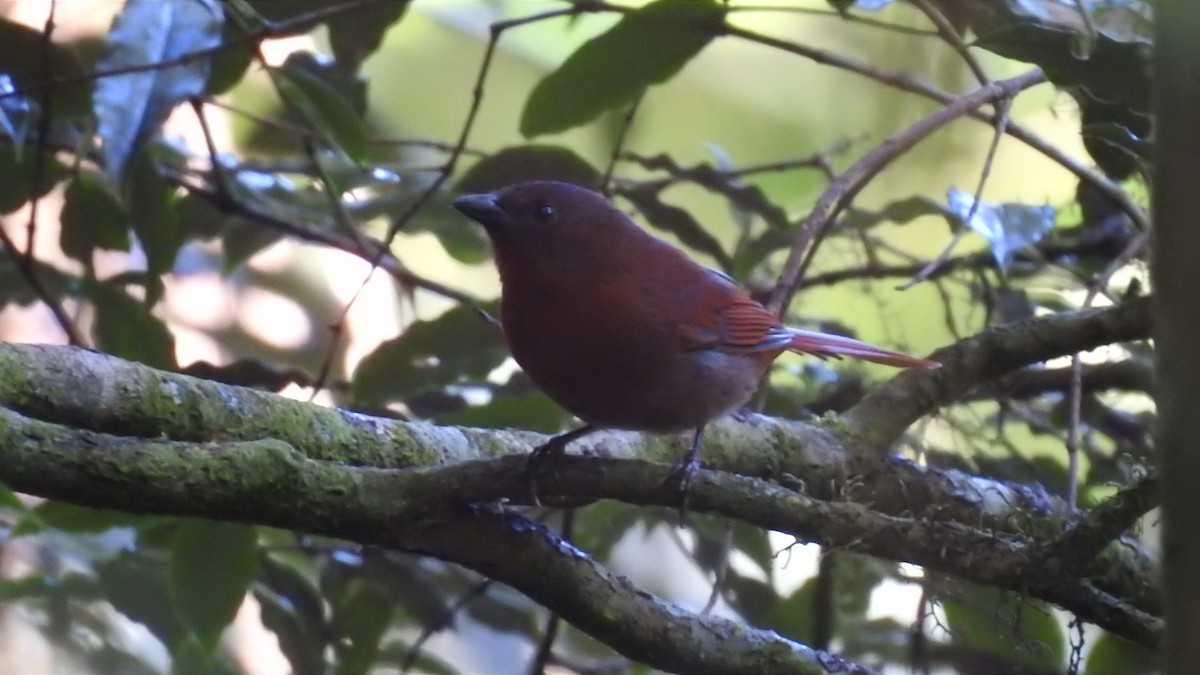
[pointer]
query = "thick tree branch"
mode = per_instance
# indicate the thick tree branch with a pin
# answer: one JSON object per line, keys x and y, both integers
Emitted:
{"x": 269, "y": 482}
{"x": 886, "y": 411}
{"x": 187, "y": 436}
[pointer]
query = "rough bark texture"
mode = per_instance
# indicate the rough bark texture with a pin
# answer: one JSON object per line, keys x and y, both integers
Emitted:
{"x": 91, "y": 429}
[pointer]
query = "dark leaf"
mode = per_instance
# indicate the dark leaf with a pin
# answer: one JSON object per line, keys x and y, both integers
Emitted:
{"x": 152, "y": 215}
{"x": 535, "y": 412}
{"x": 230, "y": 64}
{"x": 190, "y": 657}
{"x": 354, "y": 36}
{"x": 461, "y": 238}
{"x": 529, "y": 162}
{"x": 603, "y": 524}
{"x": 324, "y": 109}
{"x": 505, "y": 610}
{"x": 753, "y": 599}
{"x": 1019, "y": 631}
{"x": 293, "y": 609}
{"x": 242, "y": 239}
{"x": 457, "y": 345}
{"x": 1110, "y": 655}
{"x": 68, "y": 517}
{"x": 198, "y": 218}
{"x": 92, "y": 218}
{"x": 68, "y": 61}
{"x": 793, "y": 617}
{"x": 646, "y": 47}
{"x": 77, "y": 587}
{"x": 17, "y": 169}
{"x": 133, "y": 106}
{"x": 126, "y": 328}
{"x": 351, "y": 86}
{"x": 138, "y": 589}
{"x": 15, "y": 286}
{"x": 678, "y": 222}
{"x": 360, "y": 616}
{"x": 249, "y": 373}
{"x": 212, "y": 565}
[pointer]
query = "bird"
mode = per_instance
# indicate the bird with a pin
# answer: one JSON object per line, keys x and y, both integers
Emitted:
{"x": 623, "y": 329}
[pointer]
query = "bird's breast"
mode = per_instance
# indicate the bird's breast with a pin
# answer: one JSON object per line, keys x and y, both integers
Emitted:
{"x": 610, "y": 362}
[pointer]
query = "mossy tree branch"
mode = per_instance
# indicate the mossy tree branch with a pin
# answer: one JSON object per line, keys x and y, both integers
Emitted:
{"x": 91, "y": 429}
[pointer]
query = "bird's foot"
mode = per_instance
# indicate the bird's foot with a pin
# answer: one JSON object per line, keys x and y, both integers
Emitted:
{"x": 536, "y": 463}
{"x": 554, "y": 447}
{"x": 682, "y": 474}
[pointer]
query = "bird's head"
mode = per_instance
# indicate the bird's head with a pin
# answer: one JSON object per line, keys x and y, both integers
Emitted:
{"x": 547, "y": 220}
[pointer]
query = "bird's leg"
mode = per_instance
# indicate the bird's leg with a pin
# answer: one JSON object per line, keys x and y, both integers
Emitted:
{"x": 551, "y": 448}
{"x": 687, "y": 467}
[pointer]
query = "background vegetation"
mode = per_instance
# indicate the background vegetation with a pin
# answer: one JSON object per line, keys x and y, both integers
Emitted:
{"x": 229, "y": 200}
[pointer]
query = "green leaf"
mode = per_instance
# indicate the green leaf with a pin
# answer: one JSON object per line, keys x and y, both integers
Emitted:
{"x": 534, "y": 411}
{"x": 1007, "y": 627}
{"x": 457, "y": 345}
{"x": 14, "y": 282}
{"x": 71, "y": 586}
{"x": 1110, "y": 655}
{"x": 10, "y": 500}
{"x": 793, "y": 616}
{"x": 17, "y": 169}
{"x": 229, "y": 65}
{"x": 353, "y": 36}
{"x": 523, "y": 163}
{"x": 133, "y": 106}
{"x": 190, "y": 657}
{"x": 293, "y": 609}
{"x": 151, "y": 204}
{"x": 212, "y": 565}
{"x": 678, "y": 222}
{"x": 647, "y": 46}
{"x": 137, "y": 587}
{"x": 326, "y": 110}
{"x": 69, "y": 517}
{"x": 360, "y": 616}
{"x": 125, "y": 327}
{"x": 92, "y": 218}
{"x": 505, "y": 610}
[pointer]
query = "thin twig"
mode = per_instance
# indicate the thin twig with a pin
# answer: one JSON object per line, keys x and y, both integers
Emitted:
{"x": 619, "y": 144}
{"x": 26, "y": 268}
{"x": 545, "y": 649}
{"x": 843, "y": 189}
{"x": 1002, "y": 110}
{"x": 293, "y": 25}
{"x": 1131, "y": 250}
{"x": 951, "y": 36}
{"x": 443, "y": 622}
{"x": 905, "y": 82}
{"x": 39, "y": 159}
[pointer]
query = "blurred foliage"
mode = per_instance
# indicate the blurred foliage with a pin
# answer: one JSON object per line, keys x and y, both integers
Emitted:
{"x": 330, "y": 155}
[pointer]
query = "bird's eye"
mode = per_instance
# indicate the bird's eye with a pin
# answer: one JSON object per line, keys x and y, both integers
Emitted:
{"x": 544, "y": 213}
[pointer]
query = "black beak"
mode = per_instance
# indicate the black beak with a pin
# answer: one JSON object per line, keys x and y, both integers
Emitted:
{"x": 483, "y": 209}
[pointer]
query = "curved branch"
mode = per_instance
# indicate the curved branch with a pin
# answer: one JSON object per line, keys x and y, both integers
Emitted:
{"x": 886, "y": 411}
{"x": 893, "y": 509}
{"x": 269, "y": 482}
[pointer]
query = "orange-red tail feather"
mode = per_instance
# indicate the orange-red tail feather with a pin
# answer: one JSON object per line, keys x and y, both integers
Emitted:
{"x": 825, "y": 345}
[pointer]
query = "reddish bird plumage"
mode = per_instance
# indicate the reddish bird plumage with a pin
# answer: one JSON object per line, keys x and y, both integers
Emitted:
{"x": 623, "y": 329}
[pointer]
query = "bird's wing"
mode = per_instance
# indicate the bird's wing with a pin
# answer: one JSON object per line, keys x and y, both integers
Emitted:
{"x": 723, "y": 317}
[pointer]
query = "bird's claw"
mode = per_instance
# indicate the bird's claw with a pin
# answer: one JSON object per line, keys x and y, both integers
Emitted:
{"x": 533, "y": 466}
{"x": 683, "y": 472}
